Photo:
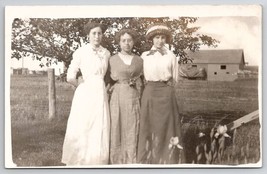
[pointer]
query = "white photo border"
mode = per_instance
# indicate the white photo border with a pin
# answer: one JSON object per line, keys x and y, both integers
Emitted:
{"x": 92, "y": 11}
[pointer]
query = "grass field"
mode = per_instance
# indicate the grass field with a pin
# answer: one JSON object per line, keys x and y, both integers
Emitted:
{"x": 212, "y": 96}
{"x": 36, "y": 141}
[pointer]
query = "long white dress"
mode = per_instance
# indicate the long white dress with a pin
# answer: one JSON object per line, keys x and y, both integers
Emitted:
{"x": 87, "y": 135}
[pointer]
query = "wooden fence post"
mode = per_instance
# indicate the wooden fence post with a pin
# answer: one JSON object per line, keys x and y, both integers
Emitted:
{"x": 51, "y": 93}
{"x": 245, "y": 119}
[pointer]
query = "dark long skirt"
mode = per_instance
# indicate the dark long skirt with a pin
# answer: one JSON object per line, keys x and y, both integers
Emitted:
{"x": 159, "y": 122}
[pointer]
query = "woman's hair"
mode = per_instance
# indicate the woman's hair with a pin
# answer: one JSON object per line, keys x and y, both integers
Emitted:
{"x": 128, "y": 31}
{"x": 90, "y": 25}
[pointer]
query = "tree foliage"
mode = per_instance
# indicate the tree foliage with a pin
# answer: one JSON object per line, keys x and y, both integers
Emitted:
{"x": 57, "y": 39}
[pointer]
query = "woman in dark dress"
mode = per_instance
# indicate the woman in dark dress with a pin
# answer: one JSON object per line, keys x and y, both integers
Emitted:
{"x": 160, "y": 135}
{"x": 125, "y": 69}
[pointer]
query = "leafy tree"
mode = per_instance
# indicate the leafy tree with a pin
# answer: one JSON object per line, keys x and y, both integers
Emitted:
{"x": 56, "y": 39}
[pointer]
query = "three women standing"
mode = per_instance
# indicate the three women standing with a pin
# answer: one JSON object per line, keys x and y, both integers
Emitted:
{"x": 88, "y": 129}
{"x": 126, "y": 134}
{"x": 125, "y": 69}
{"x": 159, "y": 121}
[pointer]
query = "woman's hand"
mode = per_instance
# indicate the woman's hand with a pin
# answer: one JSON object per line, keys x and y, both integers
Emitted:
{"x": 80, "y": 80}
{"x": 109, "y": 88}
{"x": 75, "y": 82}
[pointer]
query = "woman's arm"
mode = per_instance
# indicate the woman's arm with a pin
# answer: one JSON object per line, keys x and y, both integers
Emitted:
{"x": 175, "y": 68}
{"x": 73, "y": 69}
{"x": 109, "y": 82}
{"x": 140, "y": 85}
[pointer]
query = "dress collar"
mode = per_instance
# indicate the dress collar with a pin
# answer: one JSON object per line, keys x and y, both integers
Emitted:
{"x": 96, "y": 50}
{"x": 99, "y": 52}
{"x": 162, "y": 51}
{"x": 164, "y": 48}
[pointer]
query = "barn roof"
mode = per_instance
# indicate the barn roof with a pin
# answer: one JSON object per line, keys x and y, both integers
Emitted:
{"x": 227, "y": 56}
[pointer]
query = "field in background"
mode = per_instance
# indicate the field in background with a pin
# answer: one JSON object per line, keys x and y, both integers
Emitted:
{"x": 213, "y": 96}
{"x": 38, "y": 142}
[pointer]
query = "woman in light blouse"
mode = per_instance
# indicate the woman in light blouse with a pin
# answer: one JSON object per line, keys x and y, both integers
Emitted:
{"x": 88, "y": 130}
{"x": 160, "y": 135}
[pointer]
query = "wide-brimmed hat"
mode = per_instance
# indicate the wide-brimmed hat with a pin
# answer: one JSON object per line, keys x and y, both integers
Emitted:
{"x": 157, "y": 29}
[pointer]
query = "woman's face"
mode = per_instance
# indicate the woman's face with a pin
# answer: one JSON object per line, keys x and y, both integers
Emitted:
{"x": 159, "y": 41}
{"x": 126, "y": 43}
{"x": 95, "y": 36}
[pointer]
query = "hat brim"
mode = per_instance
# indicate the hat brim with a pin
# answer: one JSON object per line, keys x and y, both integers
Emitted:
{"x": 165, "y": 32}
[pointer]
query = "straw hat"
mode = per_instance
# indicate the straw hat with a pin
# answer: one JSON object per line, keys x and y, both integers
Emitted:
{"x": 157, "y": 29}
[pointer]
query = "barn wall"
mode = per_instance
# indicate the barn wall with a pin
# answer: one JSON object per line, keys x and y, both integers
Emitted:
{"x": 205, "y": 66}
{"x": 215, "y": 73}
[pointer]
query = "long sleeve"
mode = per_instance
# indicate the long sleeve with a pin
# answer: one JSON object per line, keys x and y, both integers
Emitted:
{"x": 108, "y": 80}
{"x": 140, "y": 80}
{"x": 74, "y": 68}
{"x": 140, "y": 85}
{"x": 175, "y": 69}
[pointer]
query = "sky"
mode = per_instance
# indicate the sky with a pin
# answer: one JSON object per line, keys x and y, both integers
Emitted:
{"x": 236, "y": 27}
{"x": 28, "y": 62}
{"x": 239, "y": 32}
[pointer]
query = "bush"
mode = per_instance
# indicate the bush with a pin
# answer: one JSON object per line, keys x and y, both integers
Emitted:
{"x": 207, "y": 144}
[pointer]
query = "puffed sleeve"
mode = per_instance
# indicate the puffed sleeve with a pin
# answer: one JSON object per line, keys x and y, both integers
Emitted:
{"x": 175, "y": 68}
{"x": 143, "y": 55}
{"x": 108, "y": 54}
{"x": 74, "y": 67}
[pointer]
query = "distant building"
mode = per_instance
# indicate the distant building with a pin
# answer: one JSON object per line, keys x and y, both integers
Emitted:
{"x": 28, "y": 65}
{"x": 253, "y": 69}
{"x": 220, "y": 65}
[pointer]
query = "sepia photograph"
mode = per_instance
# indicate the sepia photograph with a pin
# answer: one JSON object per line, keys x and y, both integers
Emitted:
{"x": 137, "y": 86}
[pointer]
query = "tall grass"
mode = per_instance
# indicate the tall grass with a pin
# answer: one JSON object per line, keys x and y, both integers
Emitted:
{"x": 242, "y": 146}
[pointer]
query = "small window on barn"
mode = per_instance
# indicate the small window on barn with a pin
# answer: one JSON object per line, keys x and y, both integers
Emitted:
{"x": 194, "y": 66}
{"x": 223, "y": 66}
{"x": 227, "y": 73}
{"x": 215, "y": 73}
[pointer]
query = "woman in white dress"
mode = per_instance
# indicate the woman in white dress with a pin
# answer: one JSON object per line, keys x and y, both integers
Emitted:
{"x": 88, "y": 129}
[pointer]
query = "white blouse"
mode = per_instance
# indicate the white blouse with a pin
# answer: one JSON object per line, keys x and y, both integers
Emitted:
{"x": 91, "y": 63}
{"x": 158, "y": 67}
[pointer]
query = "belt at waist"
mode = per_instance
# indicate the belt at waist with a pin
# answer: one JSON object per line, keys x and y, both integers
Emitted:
{"x": 123, "y": 81}
{"x": 168, "y": 83}
{"x": 130, "y": 82}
